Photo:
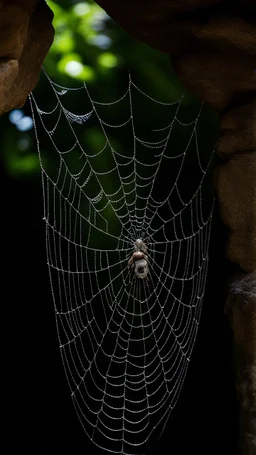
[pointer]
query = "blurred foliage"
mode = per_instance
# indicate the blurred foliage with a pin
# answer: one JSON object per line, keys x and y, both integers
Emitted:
{"x": 90, "y": 47}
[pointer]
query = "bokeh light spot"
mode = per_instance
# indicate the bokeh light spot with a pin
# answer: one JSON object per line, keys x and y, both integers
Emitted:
{"x": 16, "y": 115}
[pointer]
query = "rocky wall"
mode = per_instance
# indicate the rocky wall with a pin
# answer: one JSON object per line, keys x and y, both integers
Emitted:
{"x": 26, "y": 34}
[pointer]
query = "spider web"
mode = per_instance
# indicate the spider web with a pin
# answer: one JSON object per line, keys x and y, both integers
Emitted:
{"x": 125, "y": 342}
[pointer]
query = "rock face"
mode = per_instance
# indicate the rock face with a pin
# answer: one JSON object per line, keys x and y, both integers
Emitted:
{"x": 26, "y": 34}
{"x": 236, "y": 186}
{"x": 212, "y": 44}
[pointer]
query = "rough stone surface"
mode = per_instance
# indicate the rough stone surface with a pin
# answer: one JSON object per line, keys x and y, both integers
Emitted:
{"x": 236, "y": 183}
{"x": 238, "y": 128}
{"x": 215, "y": 77}
{"x": 26, "y": 34}
{"x": 240, "y": 309}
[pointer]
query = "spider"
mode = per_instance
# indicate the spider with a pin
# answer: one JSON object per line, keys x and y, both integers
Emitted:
{"x": 139, "y": 259}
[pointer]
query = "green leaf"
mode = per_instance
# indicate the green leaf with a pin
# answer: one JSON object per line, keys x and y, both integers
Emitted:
{"x": 108, "y": 60}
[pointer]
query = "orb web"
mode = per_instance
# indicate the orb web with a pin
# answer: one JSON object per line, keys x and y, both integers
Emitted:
{"x": 125, "y": 342}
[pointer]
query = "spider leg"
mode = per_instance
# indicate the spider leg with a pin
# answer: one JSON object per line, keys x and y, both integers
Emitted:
{"x": 130, "y": 262}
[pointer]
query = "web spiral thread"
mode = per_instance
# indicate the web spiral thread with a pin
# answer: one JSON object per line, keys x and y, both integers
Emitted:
{"x": 125, "y": 343}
